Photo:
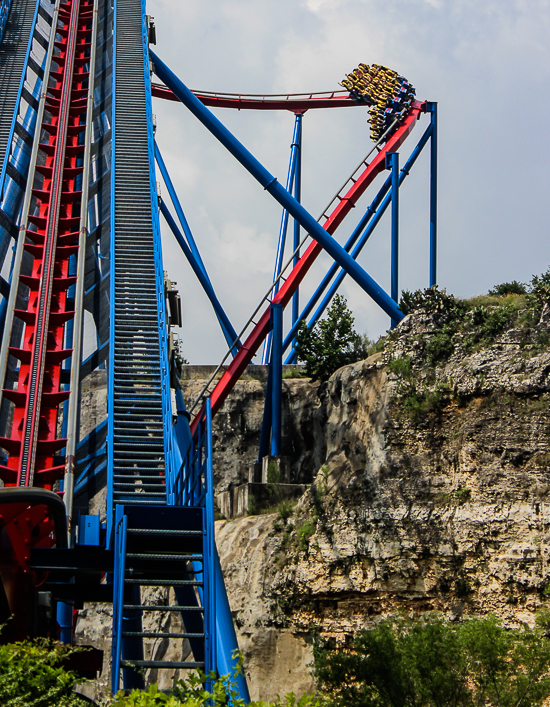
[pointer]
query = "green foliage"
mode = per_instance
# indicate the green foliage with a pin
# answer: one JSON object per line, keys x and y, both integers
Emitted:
{"x": 431, "y": 300}
{"x": 331, "y": 343}
{"x": 304, "y": 533}
{"x": 32, "y": 675}
{"x": 462, "y": 495}
{"x": 191, "y": 692}
{"x": 273, "y": 473}
{"x": 440, "y": 345}
{"x": 419, "y": 403}
{"x": 539, "y": 293}
{"x": 433, "y": 663}
{"x": 284, "y": 509}
{"x": 294, "y": 373}
{"x": 509, "y": 288}
{"x": 401, "y": 366}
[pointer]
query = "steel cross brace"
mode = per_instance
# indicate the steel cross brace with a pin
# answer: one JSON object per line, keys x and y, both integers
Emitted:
{"x": 280, "y": 194}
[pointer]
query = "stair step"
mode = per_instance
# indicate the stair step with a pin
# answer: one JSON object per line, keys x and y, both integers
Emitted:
{"x": 157, "y": 531}
{"x": 152, "y": 556}
{"x": 158, "y": 607}
{"x": 165, "y": 582}
{"x": 159, "y": 664}
{"x": 154, "y": 634}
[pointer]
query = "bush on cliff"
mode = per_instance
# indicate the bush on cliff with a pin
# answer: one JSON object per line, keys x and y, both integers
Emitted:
{"x": 331, "y": 343}
{"x": 435, "y": 663}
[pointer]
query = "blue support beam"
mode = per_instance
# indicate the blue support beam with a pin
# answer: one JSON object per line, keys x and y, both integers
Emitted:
{"x": 278, "y": 192}
{"x": 277, "y": 378}
{"x": 266, "y": 420}
{"x": 392, "y": 163}
{"x": 229, "y": 332}
{"x": 284, "y": 224}
{"x": 432, "y": 108}
{"x": 298, "y": 196}
{"x": 179, "y": 211}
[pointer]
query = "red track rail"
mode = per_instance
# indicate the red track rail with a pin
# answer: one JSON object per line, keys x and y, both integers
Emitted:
{"x": 52, "y": 238}
{"x": 289, "y": 287}
{"x": 296, "y": 103}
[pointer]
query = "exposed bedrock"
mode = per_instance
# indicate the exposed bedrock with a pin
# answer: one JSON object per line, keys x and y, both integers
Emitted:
{"x": 446, "y": 509}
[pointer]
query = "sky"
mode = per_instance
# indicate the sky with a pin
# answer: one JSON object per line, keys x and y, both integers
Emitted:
{"x": 487, "y": 65}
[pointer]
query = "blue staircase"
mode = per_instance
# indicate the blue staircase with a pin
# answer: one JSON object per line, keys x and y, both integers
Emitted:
{"x": 161, "y": 546}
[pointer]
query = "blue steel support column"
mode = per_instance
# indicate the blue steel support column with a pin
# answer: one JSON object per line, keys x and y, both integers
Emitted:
{"x": 392, "y": 162}
{"x": 266, "y": 420}
{"x": 298, "y": 197}
{"x": 209, "y": 560}
{"x": 65, "y": 621}
{"x": 432, "y": 108}
{"x": 277, "y": 378}
{"x": 278, "y": 192}
{"x": 284, "y": 225}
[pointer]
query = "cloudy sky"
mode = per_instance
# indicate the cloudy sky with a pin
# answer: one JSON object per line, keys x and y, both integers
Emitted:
{"x": 487, "y": 64}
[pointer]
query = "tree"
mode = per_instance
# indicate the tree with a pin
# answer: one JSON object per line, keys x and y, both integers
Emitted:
{"x": 331, "y": 343}
{"x": 434, "y": 663}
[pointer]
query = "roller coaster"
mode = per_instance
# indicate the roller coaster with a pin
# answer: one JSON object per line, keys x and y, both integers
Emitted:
{"x": 80, "y": 254}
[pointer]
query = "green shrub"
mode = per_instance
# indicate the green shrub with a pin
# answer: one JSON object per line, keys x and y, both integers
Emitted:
{"x": 539, "y": 292}
{"x": 434, "y": 663}
{"x": 440, "y": 346}
{"x": 304, "y": 533}
{"x": 32, "y": 675}
{"x": 284, "y": 509}
{"x": 331, "y": 343}
{"x": 401, "y": 366}
{"x": 430, "y": 300}
{"x": 191, "y": 692}
{"x": 509, "y": 288}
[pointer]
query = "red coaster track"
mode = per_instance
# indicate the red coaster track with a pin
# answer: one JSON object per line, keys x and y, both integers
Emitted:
{"x": 52, "y": 236}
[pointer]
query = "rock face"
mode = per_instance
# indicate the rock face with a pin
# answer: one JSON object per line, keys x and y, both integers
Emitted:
{"x": 433, "y": 494}
{"x": 237, "y": 427}
{"x": 431, "y": 491}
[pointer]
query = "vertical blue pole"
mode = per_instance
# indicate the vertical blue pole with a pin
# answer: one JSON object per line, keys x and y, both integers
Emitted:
{"x": 209, "y": 577}
{"x": 284, "y": 223}
{"x": 65, "y": 621}
{"x": 392, "y": 162}
{"x": 432, "y": 107}
{"x": 266, "y": 421}
{"x": 277, "y": 377}
{"x": 298, "y": 197}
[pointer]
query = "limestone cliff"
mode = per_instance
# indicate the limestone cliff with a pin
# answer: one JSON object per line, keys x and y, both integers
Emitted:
{"x": 433, "y": 494}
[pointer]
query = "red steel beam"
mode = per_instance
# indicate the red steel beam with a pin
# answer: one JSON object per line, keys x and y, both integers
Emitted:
{"x": 289, "y": 287}
{"x": 290, "y": 103}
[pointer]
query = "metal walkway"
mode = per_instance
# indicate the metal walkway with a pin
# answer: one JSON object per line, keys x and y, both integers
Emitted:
{"x": 136, "y": 386}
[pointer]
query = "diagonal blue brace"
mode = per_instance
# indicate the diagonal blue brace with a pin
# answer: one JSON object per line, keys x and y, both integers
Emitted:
{"x": 230, "y": 334}
{"x": 179, "y": 211}
{"x": 376, "y": 210}
{"x": 279, "y": 193}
